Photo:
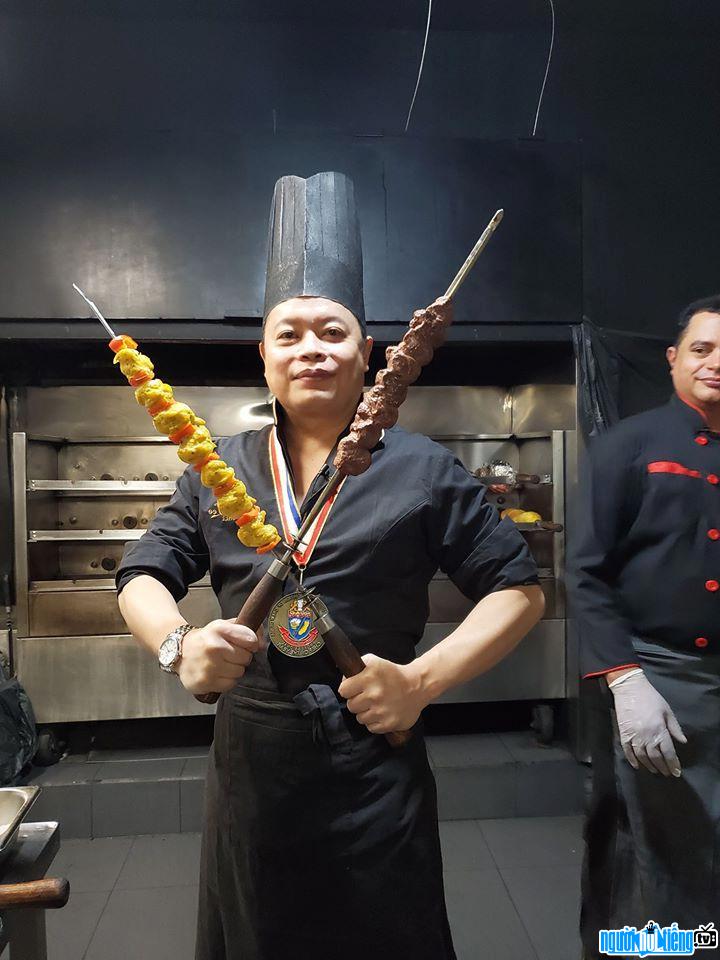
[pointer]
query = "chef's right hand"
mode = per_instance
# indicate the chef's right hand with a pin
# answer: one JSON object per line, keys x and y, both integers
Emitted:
{"x": 214, "y": 657}
{"x": 647, "y": 725}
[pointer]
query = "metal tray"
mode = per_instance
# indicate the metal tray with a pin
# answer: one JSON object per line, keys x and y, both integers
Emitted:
{"x": 15, "y": 803}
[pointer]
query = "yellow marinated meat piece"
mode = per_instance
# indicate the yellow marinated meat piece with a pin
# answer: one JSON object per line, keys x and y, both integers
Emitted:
{"x": 257, "y": 533}
{"x": 266, "y": 535}
{"x": 174, "y": 418}
{"x": 196, "y": 447}
{"x": 215, "y": 473}
{"x": 152, "y": 392}
{"x": 132, "y": 362}
{"x": 236, "y": 502}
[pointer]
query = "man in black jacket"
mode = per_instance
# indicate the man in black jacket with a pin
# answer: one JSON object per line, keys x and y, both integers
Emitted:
{"x": 320, "y": 842}
{"x": 646, "y": 586}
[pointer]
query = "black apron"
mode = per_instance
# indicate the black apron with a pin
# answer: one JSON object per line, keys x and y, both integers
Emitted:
{"x": 320, "y": 841}
{"x": 653, "y": 842}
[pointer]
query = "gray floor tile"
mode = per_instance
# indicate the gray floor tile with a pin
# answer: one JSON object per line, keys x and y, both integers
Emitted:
{"x": 476, "y": 793}
{"x": 523, "y": 746}
{"x": 192, "y": 805}
{"x": 463, "y": 846}
{"x": 534, "y": 841}
{"x": 62, "y": 773}
{"x": 120, "y": 809}
{"x": 468, "y": 749}
{"x": 483, "y": 918}
{"x": 161, "y": 861}
{"x": 147, "y": 925}
{"x": 548, "y": 901}
{"x": 70, "y": 930}
{"x": 70, "y": 805}
{"x": 91, "y": 865}
{"x": 139, "y": 770}
{"x": 195, "y": 767}
{"x": 550, "y": 789}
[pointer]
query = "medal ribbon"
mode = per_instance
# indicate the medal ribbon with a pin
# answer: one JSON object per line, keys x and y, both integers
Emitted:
{"x": 287, "y": 505}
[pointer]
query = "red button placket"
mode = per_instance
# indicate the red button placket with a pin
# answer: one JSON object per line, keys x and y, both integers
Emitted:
{"x": 712, "y": 586}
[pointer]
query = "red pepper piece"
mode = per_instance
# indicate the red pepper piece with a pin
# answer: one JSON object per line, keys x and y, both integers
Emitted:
{"x": 158, "y": 407}
{"x": 119, "y": 343}
{"x": 211, "y": 456}
{"x": 268, "y": 546}
{"x": 248, "y": 517}
{"x": 224, "y": 488}
{"x": 139, "y": 378}
{"x": 179, "y": 435}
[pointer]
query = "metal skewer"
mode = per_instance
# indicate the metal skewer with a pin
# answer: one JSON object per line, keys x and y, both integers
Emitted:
{"x": 474, "y": 254}
{"x": 97, "y": 313}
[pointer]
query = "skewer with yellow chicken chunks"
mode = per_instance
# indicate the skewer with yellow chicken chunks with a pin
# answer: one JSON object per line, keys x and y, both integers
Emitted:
{"x": 195, "y": 445}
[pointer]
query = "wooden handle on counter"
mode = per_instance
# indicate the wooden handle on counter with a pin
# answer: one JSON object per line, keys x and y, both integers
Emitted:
{"x": 253, "y": 613}
{"x": 45, "y": 894}
{"x": 346, "y": 657}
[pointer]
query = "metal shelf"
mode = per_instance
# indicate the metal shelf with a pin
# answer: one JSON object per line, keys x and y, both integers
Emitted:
{"x": 90, "y": 583}
{"x": 105, "y": 440}
{"x": 102, "y": 487}
{"x": 539, "y": 528}
{"x": 57, "y": 536}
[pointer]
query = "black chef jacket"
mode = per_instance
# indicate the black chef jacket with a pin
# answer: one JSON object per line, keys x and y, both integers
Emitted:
{"x": 647, "y": 562}
{"x": 415, "y": 510}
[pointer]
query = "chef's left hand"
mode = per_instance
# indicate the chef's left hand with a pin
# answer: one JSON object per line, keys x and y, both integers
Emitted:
{"x": 385, "y": 696}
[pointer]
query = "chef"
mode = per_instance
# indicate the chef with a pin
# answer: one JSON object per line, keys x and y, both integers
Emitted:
{"x": 321, "y": 840}
{"x": 646, "y": 584}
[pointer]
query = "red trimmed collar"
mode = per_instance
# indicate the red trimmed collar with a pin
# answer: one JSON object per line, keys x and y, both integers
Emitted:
{"x": 697, "y": 409}
{"x": 691, "y": 414}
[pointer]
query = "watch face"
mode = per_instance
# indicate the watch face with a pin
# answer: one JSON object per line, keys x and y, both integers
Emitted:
{"x": 169, "y": 650}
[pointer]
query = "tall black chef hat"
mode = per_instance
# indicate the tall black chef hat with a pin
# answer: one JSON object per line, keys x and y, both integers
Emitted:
{"x": 314, "y": 247}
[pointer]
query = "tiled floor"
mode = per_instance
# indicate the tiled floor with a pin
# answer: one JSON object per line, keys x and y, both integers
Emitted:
{"x": 512, "y": 890}
{"x": 115, "y": 793}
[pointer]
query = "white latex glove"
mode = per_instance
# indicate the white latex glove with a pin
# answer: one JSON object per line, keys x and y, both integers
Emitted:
{"x": 647, "y": 725}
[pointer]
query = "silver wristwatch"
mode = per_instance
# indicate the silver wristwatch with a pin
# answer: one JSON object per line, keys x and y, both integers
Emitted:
{"x": 171, "y": 648}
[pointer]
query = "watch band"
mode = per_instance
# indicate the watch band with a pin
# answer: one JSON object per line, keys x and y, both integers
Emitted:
{"x": 177, "y": 635}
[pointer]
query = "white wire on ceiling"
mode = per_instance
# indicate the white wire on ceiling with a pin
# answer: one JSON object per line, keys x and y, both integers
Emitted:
{"x": 547, "y": 67}
{"x": 422, "y": 63}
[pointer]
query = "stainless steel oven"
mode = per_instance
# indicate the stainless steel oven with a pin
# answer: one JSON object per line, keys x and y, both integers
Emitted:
{"x": 87, "y": 477}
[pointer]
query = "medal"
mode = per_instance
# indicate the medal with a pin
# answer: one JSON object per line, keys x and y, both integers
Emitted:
{"x": 291, "y": 625}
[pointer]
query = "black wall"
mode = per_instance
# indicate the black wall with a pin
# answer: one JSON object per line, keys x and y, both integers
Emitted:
{"x": 639, "y": 87}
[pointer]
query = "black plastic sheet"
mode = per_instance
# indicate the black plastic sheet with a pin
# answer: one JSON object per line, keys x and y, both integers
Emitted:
{"x": 619, "y": 374}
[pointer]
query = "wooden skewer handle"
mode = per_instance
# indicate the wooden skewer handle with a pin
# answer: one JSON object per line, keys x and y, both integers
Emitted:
{"x": 347, "y": 659}
{"x": 253, "y": 613}
{"x": 45, "y": 894}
